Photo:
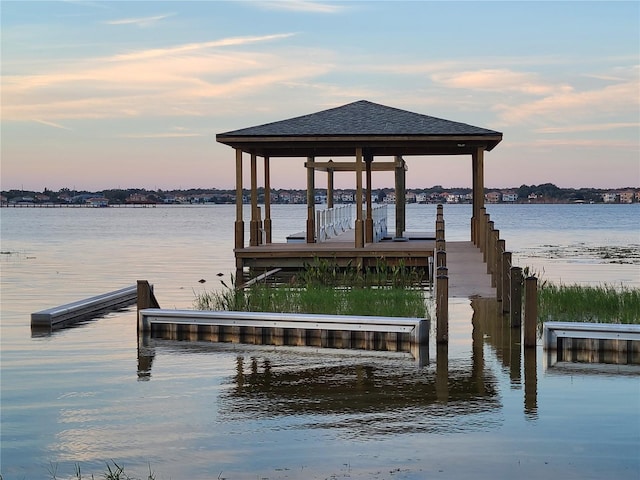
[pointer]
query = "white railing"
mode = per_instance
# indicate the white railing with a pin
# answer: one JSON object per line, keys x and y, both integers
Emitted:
{"x": 333, "y": 221}
{"x": 379, "y": 215}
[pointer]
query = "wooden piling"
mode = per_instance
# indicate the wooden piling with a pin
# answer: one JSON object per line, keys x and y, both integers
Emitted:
{"x": 442, "y": 306}
{"x": 531, "y": 311}
{"x": 516, "y": 297}
{"x": 506, "y": 282}
{"x": 500, "y": 249}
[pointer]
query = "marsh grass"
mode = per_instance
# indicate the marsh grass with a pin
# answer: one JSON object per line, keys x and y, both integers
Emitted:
{"x": 580, "y": 303}
{"x": 380, "y": 301}
{"x": 322, "y": 288}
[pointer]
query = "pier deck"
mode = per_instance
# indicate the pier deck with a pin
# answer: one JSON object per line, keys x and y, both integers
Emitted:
{"x": 341, "y": 250}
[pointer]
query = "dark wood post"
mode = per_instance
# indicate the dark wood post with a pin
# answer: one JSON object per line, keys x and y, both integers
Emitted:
{"x": 516, "y": 296}
{"x": 267, "y": 200}
{"x": 500, "y": 248}
{"x": 239, "y": 225}
{"x": 368, "y": 223}
{"x": 442, "y": 305}
{"x": 330, "y": 185}
{"x": 311, "y": 203}
{"x": 359, "y": 223}
{"x": 506, "y": 282}
{"x": 531, "y": 311}
{"x": 146, "y": 299}
{"x": 254, "y": 225}
{"x": 400, "y": 185}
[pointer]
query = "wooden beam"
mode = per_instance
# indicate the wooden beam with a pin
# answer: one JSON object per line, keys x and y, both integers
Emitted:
{"x": 351, "y": 166}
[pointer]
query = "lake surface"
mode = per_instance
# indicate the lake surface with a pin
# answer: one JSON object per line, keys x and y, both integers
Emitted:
{"x": 94, "y": 393}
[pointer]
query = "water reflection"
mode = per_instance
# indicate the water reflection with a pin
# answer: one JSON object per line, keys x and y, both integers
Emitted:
{"x": 506, "y": 343}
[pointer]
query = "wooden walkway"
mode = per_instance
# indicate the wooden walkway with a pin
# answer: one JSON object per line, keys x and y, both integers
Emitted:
{"x": 415, "y": 252}
{"x": 468, "y": 277}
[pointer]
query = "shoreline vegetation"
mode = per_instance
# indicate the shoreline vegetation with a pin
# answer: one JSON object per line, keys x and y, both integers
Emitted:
{"x": 543, "y": 193}
{"x": 321, "y": 288}
{"x": 398, "y": 291}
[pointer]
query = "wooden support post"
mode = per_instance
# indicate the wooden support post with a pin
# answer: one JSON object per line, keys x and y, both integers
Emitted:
{"x": 254, "y": 225}
{"x": 330, "y": 186}
{"x": 146, "y": 299}
{"x": 488, "y": 235}
{"x": 499, "y": 270}
{"x": 442, "y": 305}
{"x": 441, "y": 258}
{"x": 239, "y": 225}
{"x": 359, "y": 223}
{"x": 368, "y": 224}
{"x": 267, "y": 200}
{"x": 401, "y": 173}
{"x": 506, "y": 282}
{"x": 531, "y": 311}
{"x": 311, "y": 203}
{"x": 495, "y": 259}
{"x": 516, "y": 297}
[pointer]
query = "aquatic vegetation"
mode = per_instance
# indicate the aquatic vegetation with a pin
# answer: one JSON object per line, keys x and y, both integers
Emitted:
{"x": 323, "y": 288}
{"x": 583, "y": 303}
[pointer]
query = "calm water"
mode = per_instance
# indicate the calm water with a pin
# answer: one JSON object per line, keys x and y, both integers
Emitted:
{"x": 92, "y": 393}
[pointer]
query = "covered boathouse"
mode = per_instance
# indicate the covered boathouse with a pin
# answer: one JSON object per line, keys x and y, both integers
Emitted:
{"x": 359, "y": 137}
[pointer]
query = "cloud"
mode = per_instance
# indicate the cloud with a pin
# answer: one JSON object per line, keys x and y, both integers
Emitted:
{"x": 192, "y": 47}
{"x": 178, "y": 80}
{"x": 498, "y": 80}
{"x": 140, "y": 22}
{"x": 300, "y": 6}
{"x": 569, "y": 106}
{"x": 162, "y": 135}
{"x": 590, "y": 127}
{"x": 51, "y": 124}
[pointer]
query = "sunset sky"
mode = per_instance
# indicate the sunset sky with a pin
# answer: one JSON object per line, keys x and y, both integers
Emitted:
{"x": 119, "y": 94}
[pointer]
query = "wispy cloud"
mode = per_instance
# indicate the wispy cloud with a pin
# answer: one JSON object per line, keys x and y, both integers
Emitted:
{"x": 192, "y": 47}
{"x": 140, "y": 22}
{"x": 162, "y": 135}
{"x": 51, "y": 124}
{"x": 300, "y": 6}
{"x": 590, "y": 127}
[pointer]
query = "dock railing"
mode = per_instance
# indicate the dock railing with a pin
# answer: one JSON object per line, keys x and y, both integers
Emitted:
{"x": 508, "y": 280}
{"x": 379, "y": 215}
{"x": 333, "y": 221}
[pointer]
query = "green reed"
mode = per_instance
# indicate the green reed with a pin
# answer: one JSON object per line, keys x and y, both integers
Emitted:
{"x": 580, "y": 303}
{"x": 323, "y": 288}
{"x": 380, "y": 301}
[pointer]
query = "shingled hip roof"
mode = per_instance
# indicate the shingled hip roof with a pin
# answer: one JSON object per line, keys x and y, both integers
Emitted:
{"x": 360, "y": 120}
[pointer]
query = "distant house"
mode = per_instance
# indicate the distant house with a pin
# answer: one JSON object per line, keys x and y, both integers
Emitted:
{"x": 627, "y": 196}
{"x": 410, "y": 197}
{"x": 509, "y": 197}
{"x": 493, "y": 197}
{"x": 98, "y": 202}
{"x": 421, "y": 197}
{"x": 610, "y": 197}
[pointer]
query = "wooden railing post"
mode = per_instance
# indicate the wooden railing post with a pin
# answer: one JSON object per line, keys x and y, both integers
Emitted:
{"x": 146, "y": 299}
{"x": 500, "y": 248}
{"x": 516, "y": 296}
{"x": 531, "y": 311}
{"x": 506, "y": 282}
{"x": 442, "y": 305}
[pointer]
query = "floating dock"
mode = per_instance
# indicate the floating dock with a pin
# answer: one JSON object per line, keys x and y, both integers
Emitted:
{"x": 84, "y": 309}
